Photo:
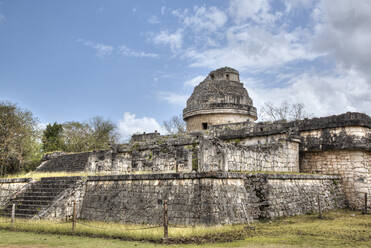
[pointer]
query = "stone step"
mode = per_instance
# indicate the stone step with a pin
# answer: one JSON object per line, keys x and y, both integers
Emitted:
{"x": 38, "y": 198}
{"x": 28, "y": 203}
{"x": 53, "y": 186}
{"x": 50, "y": 191}
{"x": 27, "y": 211}
{"x": 20, "y": 202}
{"x": 41, "y": 193}
{"x": 17, "y": 215}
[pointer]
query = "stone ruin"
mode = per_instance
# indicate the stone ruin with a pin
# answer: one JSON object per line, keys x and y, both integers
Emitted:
{"x": 226, "y": 169}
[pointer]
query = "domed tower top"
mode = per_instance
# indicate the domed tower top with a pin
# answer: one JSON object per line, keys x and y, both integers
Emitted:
{"x": 219, "y": 99}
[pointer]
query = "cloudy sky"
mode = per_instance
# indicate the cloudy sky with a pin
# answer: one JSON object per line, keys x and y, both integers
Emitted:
{"x": 136, "y": 62}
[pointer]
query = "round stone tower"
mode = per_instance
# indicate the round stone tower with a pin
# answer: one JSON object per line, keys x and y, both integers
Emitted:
{"x": 219, "y": 99}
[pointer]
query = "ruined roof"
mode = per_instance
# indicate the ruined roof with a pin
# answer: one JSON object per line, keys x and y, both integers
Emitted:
{"x": 220, "y": 90}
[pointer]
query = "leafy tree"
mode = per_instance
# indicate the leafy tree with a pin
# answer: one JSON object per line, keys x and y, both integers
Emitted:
{"x": 19, "y": 139}
{"x": 103, "y": 133}
{"x": 285, "y": 111}
{"x": 175, "y": 125}
{"x": 52, "y": 138}
{"x": 76, "y": 136}
{"x": 96, "y": 134}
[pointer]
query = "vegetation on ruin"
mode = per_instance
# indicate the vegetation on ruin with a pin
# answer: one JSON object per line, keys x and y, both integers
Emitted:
{"x": 23, "y": 143}
{"x": 341, "y": 228}
{"x": 20, "y": 149}
{"x": 175, "y": 125}
{"x": 283, "y": 112}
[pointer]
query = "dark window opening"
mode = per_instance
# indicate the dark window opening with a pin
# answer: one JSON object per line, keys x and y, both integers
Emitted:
{"x": 212, "y": 76}
{"x": 204, "y": 125}
{"x": 227, "y": 76}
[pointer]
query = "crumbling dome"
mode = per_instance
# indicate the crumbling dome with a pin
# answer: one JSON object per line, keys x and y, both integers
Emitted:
{"x": 219, "y": 99}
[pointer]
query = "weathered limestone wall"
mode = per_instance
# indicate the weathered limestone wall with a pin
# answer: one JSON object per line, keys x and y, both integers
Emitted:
{"x": 10, "y": 187}
{"x": 353, "y": 166}
{"x": 192, "y": 199}
{"x": 279, "y": 155}
{"x": 207, "y": 198}
{"x": 337, "y": 138}
{"x": 293, "y": 195}
{"x": 194, "y": 123}
{"x": 157, "y": 154}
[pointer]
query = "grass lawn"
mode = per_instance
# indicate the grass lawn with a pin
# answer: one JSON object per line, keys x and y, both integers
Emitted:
{"x": 341, "y": 228}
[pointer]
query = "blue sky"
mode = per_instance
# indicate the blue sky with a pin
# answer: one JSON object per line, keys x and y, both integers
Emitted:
{"x": 136, "y": 62}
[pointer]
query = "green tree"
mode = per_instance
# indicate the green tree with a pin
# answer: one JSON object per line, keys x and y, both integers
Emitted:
{"x": 95, "y": 134}
{"x": 103, "y": 133}
{"x": 76, "y": 136}
{"x": 52, "y": 138}
{"x": 19, "y": 139}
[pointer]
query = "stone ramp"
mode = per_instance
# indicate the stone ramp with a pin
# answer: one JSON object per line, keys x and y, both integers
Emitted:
{"x": 38, "y": 196}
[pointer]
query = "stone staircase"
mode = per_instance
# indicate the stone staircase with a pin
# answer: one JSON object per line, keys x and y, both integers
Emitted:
{"x": 38, "y": 196}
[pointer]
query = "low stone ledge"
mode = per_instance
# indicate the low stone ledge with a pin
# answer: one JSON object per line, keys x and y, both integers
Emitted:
{"x": 248, "y": 129}
{"x": 303, "y": 177}
{"x": 15, "y": 180}
{"x": 211, "y": 175}
{"x": 168, "y": 176}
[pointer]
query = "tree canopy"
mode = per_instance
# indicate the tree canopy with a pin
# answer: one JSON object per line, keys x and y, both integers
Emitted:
{"x": 175, "y": 125}
{"x": 19, "y": 145}
{"x": 285, "y": 111}
{"x": 95, "y": 134}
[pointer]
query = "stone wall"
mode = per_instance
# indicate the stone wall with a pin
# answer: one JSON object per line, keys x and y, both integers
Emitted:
{"x": 207, "y": 198}
{"x": 352, "y": 166}
{"x": 279, "y": 155}
{"x": 192, "y": 199}
{"x": 10, "y": 187}
{"x": 174, "y": 153}
{"x": 194, "y": 123}
{"x": 289, "y": 195}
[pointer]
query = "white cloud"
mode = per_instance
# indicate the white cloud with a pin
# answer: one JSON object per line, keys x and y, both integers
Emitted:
{"x": 130, "y": 124}
{"x": 322, "y": 95}
{"x": 344, "y": 32}
{"x": 174, "y": 40}
{"x": 173, "y": 98}
{"x": 101, "y": 49}
{"x": 123, "y": 50}
{"x": 194, "y": 81}
{"x": 254, "y": 48}
{"x": 322, "y": 60}
{"x": 209, "y": 19}
{"x": 255, "y": 10}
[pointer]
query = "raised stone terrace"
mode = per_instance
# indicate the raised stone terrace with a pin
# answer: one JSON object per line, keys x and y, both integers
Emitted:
{"x": 38, "y": 196}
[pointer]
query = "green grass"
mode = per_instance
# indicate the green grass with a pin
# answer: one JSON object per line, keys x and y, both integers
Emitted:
{"x": 340, "y": 228}
{"x": 198, "y": 234}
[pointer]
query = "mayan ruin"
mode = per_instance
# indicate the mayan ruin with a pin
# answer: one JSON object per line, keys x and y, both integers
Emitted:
{"x": 226, "y": 169}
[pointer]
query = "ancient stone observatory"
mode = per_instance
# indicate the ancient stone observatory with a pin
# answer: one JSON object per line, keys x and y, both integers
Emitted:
{"x": 235, "y": 171}
{"x": 219, "y": 99}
